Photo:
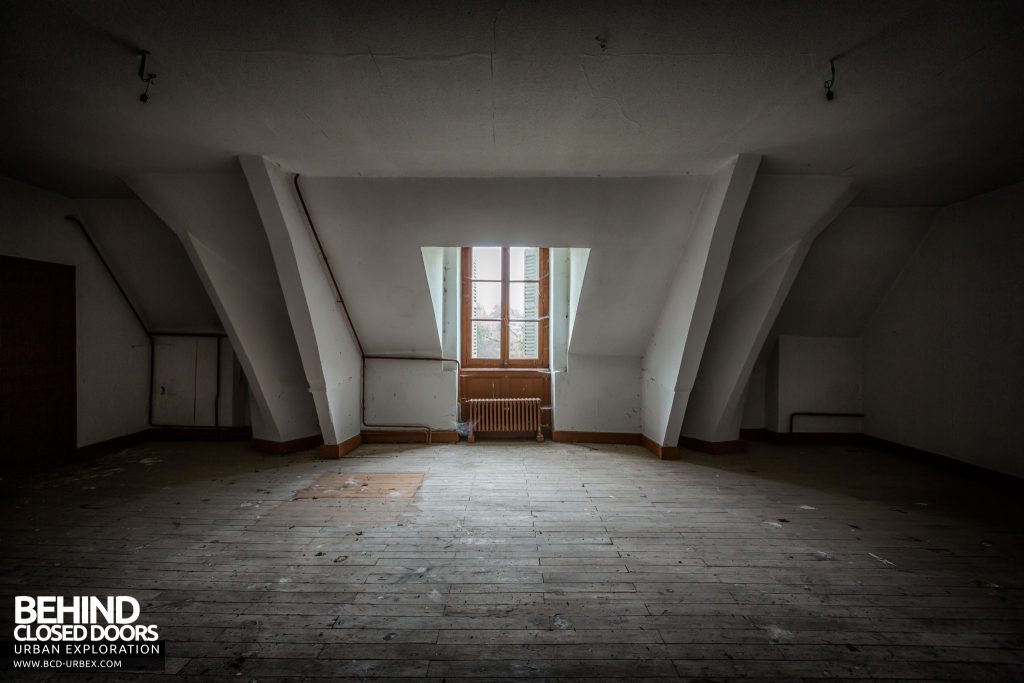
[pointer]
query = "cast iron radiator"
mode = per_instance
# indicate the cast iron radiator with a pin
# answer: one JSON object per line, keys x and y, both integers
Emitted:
{"x": 503, "y": 415}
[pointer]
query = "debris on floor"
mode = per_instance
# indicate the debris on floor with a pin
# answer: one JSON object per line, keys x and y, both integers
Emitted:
{"x": 883, "y": 560}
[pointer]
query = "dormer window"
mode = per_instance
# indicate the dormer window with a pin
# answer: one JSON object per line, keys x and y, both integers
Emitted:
{"x": 504, "y": 307}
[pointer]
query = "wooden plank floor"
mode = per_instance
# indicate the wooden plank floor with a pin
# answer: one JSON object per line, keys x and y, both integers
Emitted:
{"x": 535, "y": 560}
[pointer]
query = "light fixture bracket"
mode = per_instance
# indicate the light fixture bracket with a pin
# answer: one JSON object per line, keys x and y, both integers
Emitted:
{"x": 144, "y": 76}
{"x": 829, "y": 94}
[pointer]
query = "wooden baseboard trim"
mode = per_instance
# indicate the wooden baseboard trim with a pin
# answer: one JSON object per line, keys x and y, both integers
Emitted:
{"x": 663, "y": 452}
{"x": 399, "y": 436}
{"x": 565, "y": 436}
{"x": 936, "y": 460}
{"x": 756, "y": 434}
{"x": 165, "y": 434}
{"x": 444, "y": 436}
{"x": 117, "y": 443}
{"x": 283, "y": 447}
{"x": 944, "y": 462}
{"x": 199, "y": 433}
{"x": 713, "y": 447}
{"x": 338, "y": 450}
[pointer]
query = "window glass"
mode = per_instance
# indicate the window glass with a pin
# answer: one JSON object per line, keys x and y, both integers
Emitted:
{"x": 523, "y": 340}
{"x": 504, "y": 307}
{"x": 523, "y": 300}
{"x": 523, "y": 263}
{"x": 486, "y": 339}
{"x": 486, "y": 263}
{"x": 487, "y": 300}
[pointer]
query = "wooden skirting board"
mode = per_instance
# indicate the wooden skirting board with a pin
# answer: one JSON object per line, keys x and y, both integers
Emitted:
{"x": 663, "y": 452}
{"x": 937, "y": 460}
{"x": 337, "y": 450}
{"x": 977, "y": 472}
{"x": 283, "y": 447}
{"x": 165, "y": 434}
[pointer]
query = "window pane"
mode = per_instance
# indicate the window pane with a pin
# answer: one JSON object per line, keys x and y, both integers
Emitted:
{"x": 486, "y": 263}
{"x": 523, "y": 300}
{"x": 486, "y": 339}
{"x": 523, "y": 340}
{"x": 487, "y": 300}
{"x": 524, "y": 263}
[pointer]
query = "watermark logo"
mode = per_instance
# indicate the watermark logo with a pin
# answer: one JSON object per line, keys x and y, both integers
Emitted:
{"x": 56, "y": 632}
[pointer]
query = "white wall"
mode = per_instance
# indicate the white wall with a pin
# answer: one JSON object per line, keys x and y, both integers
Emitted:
{"x": 815, "y": 374}
{"x": 433, "y": 265}
{"x": 215, "y": 218}
{"x": 373, "y": 230}
{"x": 407, "y": 392}
{"x": 560, "y": 309}
{"x": 112, "y": 350}
{"x": 673, "y": 354}
{"x": 754, "y": 397}
{"x": 944, "y": 353}
{"x": 850, "y": 267}
{"x": 598, "y": 394}
{"x": 847, "y": 271}
{"x": 330, "y": 355}
{"x": 635, "y": 229}
{"x": 590, "y": 393}
{"x": 450, "y": 331}
{"x": 422, "y": 392}
{"x": 578, "y": 258}
{"x": 151, "y": 265}
{"x": 783, "y": 216}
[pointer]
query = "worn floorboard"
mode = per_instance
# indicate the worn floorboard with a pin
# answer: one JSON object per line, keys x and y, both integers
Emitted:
{"x": 555, "y": 561}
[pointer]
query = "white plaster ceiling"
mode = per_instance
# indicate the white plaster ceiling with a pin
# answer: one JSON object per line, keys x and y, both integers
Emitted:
{"x": 928, "y": 105}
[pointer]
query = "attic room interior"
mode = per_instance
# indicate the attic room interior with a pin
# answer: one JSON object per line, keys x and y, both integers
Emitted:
{"x": 504, "y": 339}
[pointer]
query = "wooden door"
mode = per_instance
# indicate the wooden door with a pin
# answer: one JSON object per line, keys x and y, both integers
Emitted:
{"x": 184, "y": 381}
{"x": 38, "y": 412}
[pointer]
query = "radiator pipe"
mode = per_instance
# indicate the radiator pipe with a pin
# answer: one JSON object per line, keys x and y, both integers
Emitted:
{"x": 428, "y": 431}
{"x": 327, "y": 263}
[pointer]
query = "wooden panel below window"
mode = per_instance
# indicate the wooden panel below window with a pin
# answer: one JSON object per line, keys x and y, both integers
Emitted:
{"x": 507, "y": 384}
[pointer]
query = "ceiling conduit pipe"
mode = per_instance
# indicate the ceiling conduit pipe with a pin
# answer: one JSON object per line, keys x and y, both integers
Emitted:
{"x": 428, "y": 431}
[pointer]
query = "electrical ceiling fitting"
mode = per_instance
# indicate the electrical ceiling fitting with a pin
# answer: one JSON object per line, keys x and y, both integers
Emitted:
{"x": 146, "y": 78}
{"x": 829, "y": 95}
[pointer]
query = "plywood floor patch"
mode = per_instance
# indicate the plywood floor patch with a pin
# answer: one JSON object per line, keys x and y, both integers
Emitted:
{"x": 393, "y": 485}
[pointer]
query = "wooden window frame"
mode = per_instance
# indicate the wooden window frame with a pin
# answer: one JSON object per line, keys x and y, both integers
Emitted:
{"x": 466, "y": 314}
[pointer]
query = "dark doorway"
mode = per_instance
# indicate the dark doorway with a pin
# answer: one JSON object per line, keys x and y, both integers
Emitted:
{"x": 37, "y": 360}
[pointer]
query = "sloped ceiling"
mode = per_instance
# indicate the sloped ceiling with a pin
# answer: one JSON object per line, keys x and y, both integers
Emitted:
{"x": 780, "y": 211}
{"x": 151, "y": 264}
{"x": 850, "y": 267}
{"x": 926, "y": 109}
{"x": 372, "y": 230}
